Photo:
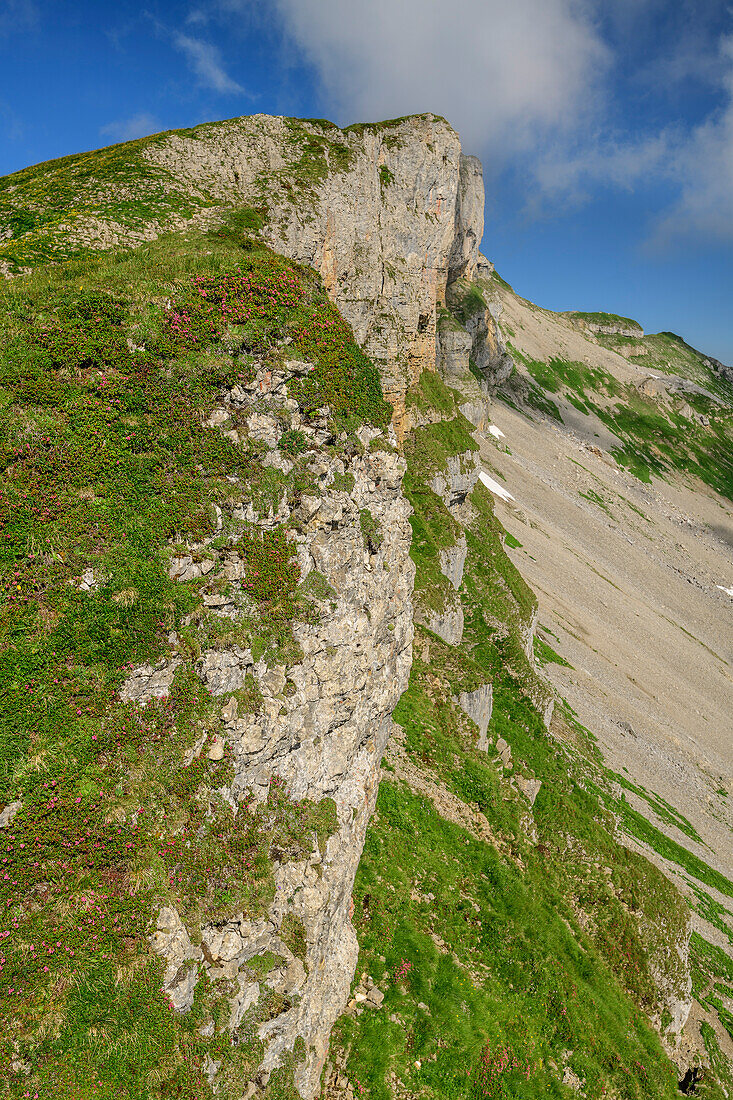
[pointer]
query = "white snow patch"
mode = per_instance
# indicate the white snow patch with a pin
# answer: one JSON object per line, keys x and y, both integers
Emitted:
{"x": 494, "y": 487}
{"x": 728, "y": 591}
{"x": 496, "y": 432}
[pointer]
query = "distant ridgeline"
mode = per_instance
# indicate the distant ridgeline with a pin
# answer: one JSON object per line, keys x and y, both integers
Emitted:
{"x": 239, "y": 587}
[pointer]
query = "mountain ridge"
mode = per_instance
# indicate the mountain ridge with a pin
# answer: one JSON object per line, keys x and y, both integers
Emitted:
{"x": 283, "y": 642}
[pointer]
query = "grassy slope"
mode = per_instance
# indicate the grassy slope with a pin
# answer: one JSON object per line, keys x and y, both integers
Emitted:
{"x": 514, "y": 950}
{"x": 656, "y": 437}
{"x": 657, "y": 440}
{"x": 107, "y": 371}
{"x": 670, "y": 354}
{"x": 40, "y": 205}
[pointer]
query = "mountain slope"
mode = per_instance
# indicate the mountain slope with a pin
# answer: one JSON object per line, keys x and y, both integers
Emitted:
{"x": 207, "y": 638}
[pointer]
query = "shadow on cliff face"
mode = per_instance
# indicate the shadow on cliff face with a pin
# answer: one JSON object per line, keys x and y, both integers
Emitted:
{"x": 688, "y": 1084}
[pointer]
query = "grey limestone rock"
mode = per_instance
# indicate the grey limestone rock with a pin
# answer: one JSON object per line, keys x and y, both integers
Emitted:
{"x": 8, "y": 813}
{"x": 149, "y": 682}
{"x": 186, "y": 568}
{"x": 478, "y": 705}
{"x": 612, "y": 329}
{"x": 477, "y": 412}
{"x": 248, "y": 995}
{"x": 529, "y": 787}
{"x": 453, "y": 350}
{"x": 323, "y": 737}
{"x": 171, "y": 940}
{"x": 224, "y": 670}
{"x": 383, "y": 252}
{"x": 527, "y": 631}
{"x": 375, "y": 997}
{"x": 469, "y": 218}
{"x": 488, "y": 350}
{"x": 447, "y": 624}
{"x": 326, "y": 738}
{"x": 89, "y": 582}
{"x": 505, "y": 753}
{"x": 456, "y": 481}
{"x": 670, "y": 970}
{"x": 452, "y": 561}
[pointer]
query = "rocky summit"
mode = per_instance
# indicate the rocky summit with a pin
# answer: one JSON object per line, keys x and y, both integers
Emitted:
{"x": 366, "y": 643}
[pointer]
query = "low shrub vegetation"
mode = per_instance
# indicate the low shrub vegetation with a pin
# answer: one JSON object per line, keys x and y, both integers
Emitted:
{"x": 108, "y": 369}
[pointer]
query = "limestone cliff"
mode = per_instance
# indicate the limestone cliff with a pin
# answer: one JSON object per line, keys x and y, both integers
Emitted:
{"x": 391, "y": 218}
{"x": 393, "y": 215}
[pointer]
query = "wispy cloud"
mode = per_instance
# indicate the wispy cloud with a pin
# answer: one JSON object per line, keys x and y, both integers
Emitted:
{"x": 198, "y": 17}
{"x": 612, "y": 160}
{"x": 704, "y": 167}
{"x": 128, "y": 129}
{"x": 695, "y": 160}
{"x": 206, "y": 64}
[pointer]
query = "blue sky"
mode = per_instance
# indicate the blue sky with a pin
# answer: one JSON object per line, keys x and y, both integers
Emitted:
{"x": 605, "y": 126}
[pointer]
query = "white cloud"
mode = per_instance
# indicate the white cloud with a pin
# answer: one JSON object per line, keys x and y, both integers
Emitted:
{"x": 704, "y": 167}
{"x": 612, "y": 160}
{"x": 502, "y": 73}
{"x": 197, "y": 17}
{"x": 698, "y": 161}
{"x": 128, "y": 129}
{"x": 205, "y": 61}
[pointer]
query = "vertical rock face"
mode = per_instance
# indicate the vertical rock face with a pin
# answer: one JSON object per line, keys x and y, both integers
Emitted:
{"x": 327, "y": 737}
{"x": 472, "y": 330}
{"x": 469, "y": 224}
{"x": 394, "y": 216}
{"x": 453, "y": 560}
{"x": 456, "y": 481}
{"x": 453, "y": 348}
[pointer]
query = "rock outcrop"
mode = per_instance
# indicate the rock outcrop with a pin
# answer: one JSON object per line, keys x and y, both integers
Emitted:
{"x": 320, "y": 730}
{"x": 474, "y": 312}
{"x": 387, "y": 214}
{"x": 453, "y": 560}
{"x": 456, "y": 480}
{"x": 630, "y": 331}
{"x": 478, "y": 705}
